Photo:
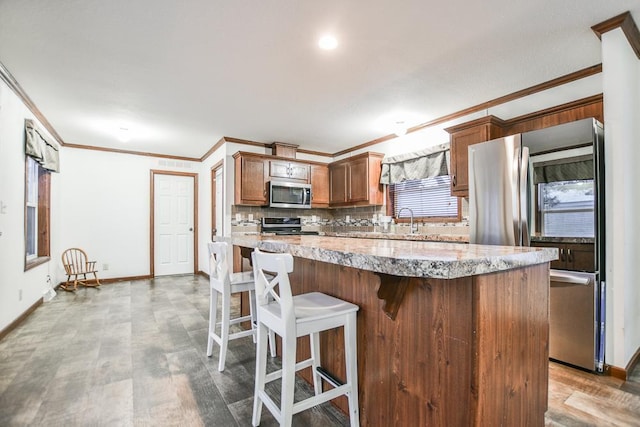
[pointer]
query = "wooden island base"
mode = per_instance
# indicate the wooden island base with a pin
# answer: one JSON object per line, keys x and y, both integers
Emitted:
{"x": 459, "y": 352}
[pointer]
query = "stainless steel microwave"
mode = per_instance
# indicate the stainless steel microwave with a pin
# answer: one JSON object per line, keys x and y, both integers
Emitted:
{"x": 289, "y": 195}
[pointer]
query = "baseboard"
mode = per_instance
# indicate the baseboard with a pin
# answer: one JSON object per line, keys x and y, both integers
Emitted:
{"x": 203, "y": 274}
{"x": 623, "y": 373}
{"x": 113, "y": 280}
{"x": 20, "y": 318}
{"x": 125, "y": 279}
{"x": 616, "y": 372}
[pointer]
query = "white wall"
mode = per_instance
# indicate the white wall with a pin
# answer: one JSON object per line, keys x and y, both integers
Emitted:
{"x": 204, "y": 205}
{"x": 105, "y": 207}
{"x": 621, "y": 77}
{"x": 13, "y": 278}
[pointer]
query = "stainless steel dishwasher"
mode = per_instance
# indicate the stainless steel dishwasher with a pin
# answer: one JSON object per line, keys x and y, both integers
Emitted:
{"x": 573, "y": 323}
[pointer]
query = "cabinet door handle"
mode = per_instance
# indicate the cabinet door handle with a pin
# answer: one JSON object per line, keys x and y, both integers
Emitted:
{"x": 570, "y": 255}
{"x": 453, "y": 180}
{"x": 562, "y": 258}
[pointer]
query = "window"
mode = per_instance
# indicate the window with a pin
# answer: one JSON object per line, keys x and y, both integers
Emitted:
{"x": 566, "y": 208}
{"x": 32, "y": 209}
{"x": 428, "y": 198}
{"x": 37, "y": 195}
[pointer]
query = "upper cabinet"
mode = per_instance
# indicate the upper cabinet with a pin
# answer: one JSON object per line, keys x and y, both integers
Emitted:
{"x": 289, "y": 170}
{"x": 251, "y": 176}
{"x": 254, "y": 171}
{"x": 350, "y": 182}
{"x": 462, "y": 136}
{"x": 319, "y": 185}
{"x": 356, "y": 181}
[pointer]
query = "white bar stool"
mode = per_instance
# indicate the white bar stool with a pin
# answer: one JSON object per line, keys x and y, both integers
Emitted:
{"x": 225, "y": 284}
{"x": 295, "y": 316}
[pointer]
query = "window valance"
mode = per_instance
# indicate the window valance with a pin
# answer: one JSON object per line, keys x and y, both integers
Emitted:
{"x": 569, "y": 169}
{"x": 39, "y": 148}
{"x": 428, "y": 163}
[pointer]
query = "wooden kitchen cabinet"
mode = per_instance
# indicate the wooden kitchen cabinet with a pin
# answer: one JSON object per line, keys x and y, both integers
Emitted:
{"x": 298, "y": 172}
{"x": 461, "y": 137}
{"x": 251, "y": 176}
{"x": 356, "y": 181}
{"x": 319, "y": 186}
{"x": 338, "y": 184}
{"x": 254, "y": 171}
{"x": 572, "y": 256}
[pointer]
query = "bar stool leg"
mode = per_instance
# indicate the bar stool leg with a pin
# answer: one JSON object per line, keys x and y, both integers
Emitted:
{"x": 288, "y": 380}
{"x": 252, "y": 312}
{"x": 261, "y": 372}
{"x": 314, "y": 340}
{"x": 272, "y": 343}
{"x": 224, "y": 333}
{"x": 213, "y": 312}
{"x": 351, "y": 359}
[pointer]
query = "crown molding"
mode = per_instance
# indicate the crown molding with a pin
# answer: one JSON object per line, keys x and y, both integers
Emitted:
{"x": 13, "y": 84}
{"x": 625, "y": 22}
{"x": 559, "y": 81}
{"x": 132, "y": 152}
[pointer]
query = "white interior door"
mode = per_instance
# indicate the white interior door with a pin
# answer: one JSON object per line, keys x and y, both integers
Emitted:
{"x": 173, "y": 224}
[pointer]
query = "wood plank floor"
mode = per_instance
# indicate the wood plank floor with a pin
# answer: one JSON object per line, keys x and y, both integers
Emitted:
{"x": 133, "y": 353}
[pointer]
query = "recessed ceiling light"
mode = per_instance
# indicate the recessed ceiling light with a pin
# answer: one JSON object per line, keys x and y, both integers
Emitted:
{"x": 328, "y": 42}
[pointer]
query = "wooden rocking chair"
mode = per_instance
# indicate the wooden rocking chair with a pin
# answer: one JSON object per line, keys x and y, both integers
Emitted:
{"x": 75, "y": 265}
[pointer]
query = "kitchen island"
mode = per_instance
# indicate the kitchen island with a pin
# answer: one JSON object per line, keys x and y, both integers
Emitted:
{"x": 448, "y": 334}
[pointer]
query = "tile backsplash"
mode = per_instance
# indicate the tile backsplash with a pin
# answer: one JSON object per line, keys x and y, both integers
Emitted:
{"x": 248, "y": 219}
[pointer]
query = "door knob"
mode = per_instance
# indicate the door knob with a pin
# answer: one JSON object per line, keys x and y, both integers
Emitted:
{"x": 190, "y": 228}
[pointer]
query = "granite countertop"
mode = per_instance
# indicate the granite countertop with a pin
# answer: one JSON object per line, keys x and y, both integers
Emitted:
{"x": 551, "y": 239}
{"x": 453, "y": 238}
{"x": 402, "y": 257}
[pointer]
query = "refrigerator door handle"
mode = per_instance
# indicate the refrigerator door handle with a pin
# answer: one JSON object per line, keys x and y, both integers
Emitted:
{"x": 515, "y": 198}
{"x": 524, "y": 197}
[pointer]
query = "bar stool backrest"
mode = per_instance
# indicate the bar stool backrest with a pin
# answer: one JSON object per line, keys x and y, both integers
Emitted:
{"x": 279, "y": 265}
{"x": 219, "y": 278}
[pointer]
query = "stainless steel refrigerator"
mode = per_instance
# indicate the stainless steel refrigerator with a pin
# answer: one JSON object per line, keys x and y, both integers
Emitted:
{"x": 506, "y": 207}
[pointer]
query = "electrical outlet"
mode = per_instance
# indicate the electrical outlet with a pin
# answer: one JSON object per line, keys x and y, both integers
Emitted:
{"x": 105, "y": 267}
{"x": 19, "y": 294}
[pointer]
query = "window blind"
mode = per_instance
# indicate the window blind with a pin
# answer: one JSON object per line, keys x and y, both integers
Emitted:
{"x": 429, "y": 197}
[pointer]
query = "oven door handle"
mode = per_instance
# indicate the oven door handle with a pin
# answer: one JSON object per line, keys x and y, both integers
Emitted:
{"x": 569, "y": 278}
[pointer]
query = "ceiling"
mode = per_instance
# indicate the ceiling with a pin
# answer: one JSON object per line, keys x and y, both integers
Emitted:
{"x": 181, "y": 75}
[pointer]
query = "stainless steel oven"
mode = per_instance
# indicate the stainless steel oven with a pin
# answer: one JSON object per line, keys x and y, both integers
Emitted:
{"x": 284, "y": 194}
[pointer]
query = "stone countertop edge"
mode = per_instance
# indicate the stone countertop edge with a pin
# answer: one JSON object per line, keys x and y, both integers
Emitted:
{"x": 402, "y": 258}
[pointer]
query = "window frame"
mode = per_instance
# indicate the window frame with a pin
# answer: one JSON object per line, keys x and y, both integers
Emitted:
{"x": 540, "y": 212}
{"x": 43, "y": 249}
{"x": 419, "y": 219}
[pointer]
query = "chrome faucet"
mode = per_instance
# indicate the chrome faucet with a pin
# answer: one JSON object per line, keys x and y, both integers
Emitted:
{"x": 411, "y": 229}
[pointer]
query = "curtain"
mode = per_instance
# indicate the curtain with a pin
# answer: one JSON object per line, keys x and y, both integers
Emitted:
{"x": 569, "y": 169}
{"x": 428, "y": 163}
{"x": 39, "y": 148}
